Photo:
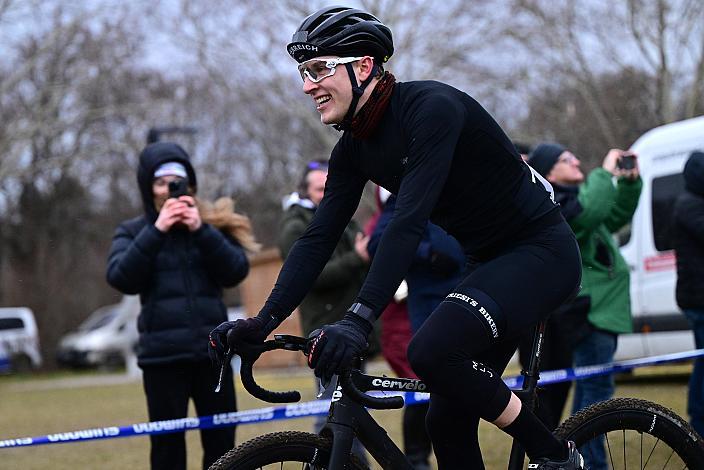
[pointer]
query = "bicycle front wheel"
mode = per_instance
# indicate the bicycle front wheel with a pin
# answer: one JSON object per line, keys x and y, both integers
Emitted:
{"x": 630, "y": 433}
{"x": 287, "y": 450}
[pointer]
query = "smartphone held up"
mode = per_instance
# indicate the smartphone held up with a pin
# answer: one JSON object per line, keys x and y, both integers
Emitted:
{"x": 627, "y": 161}
{"x": 178, "y": 188}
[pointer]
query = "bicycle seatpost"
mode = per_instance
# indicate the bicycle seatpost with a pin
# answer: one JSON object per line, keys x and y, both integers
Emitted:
{"x": 529, "y": 390}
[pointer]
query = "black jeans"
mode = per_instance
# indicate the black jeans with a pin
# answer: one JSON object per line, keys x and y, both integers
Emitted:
{"x": 168, "y": 389}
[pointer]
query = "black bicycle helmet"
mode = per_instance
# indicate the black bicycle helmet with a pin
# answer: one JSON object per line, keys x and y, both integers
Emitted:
{"x": 341, "y": 31}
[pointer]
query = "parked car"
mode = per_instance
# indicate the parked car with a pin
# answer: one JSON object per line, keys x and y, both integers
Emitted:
{"x": 105, "y": 338}
{"x": 19, "y": 339}
{"x": 660, "y": 326}
{"x": 108, "y": 336}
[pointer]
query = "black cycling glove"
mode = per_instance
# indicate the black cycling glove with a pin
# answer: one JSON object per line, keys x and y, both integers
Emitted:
{"x": 228, "y": 334}
{"x": 336, "y": 345}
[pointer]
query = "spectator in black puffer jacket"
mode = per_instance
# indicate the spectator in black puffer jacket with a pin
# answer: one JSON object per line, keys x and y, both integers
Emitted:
{"x": 688, "y": 240}
{"x": 179, "y": 264}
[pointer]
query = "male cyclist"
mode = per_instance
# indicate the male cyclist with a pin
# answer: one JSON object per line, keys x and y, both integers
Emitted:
{"x": 448, "y": 161}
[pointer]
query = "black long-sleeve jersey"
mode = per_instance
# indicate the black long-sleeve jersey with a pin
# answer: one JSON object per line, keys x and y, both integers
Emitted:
{"x": 448, "y": 161}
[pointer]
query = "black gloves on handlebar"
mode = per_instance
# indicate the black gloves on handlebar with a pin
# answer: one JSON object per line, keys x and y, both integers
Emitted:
{"x": 335, "y": 346}
{"x": 226, "y": 336}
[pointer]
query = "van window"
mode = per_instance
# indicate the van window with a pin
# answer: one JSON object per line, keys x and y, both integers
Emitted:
{"x": 11, "y": 323}
{"x": 665, "y": 192}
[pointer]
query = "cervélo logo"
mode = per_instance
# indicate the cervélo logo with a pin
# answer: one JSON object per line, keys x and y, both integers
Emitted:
{"x": 415, "y": 385}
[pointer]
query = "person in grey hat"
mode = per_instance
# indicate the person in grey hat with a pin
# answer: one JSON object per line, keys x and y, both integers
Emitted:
{"x": 178, "y": 256}
{"x": 596, "y": 207}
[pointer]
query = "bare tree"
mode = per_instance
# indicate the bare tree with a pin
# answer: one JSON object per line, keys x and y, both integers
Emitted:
{"x": 76, "y": 106}
{"x": 561, "y": 113}
{"x": 576, "y": 43}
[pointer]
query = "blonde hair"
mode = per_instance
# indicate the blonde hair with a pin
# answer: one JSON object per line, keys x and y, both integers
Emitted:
{"x": 221, "y": 215}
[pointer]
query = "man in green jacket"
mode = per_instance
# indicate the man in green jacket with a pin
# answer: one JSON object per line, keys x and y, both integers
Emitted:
{"x": 338, "y": 284}
{"x": 595, "y": 208}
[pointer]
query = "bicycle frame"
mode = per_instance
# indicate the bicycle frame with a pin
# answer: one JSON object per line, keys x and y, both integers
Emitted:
{"x": 349, "y": 419}
{"x": 528, "y": 392}
{"x": 348, "y": 416}
{"x": 343, "y": 411}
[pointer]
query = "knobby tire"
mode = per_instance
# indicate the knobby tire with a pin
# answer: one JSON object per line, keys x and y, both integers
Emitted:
{"x": 637, "y": 434}
{"x": 282, "y": 450}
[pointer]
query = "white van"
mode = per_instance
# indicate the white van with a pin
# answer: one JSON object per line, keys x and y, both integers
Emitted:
{"x": 19, "y": 340}
{"x": 106, "y": 338}
{"x": 647, "y": 247}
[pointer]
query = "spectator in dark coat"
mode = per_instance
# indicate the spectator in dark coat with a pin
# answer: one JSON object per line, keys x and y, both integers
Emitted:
{"x": 558, "y": 345}
{"x": 688, "y": 239}
{"x": 436, "y": 269}
{"x": 436, "y": 266}
{"x": 179, "y": 264}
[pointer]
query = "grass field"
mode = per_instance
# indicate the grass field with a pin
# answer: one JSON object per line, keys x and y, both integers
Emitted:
{"x": 45, "y": 404}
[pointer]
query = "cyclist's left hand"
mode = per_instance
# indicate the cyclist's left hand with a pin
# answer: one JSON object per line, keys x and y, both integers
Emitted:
{"x": 333, "y": 349}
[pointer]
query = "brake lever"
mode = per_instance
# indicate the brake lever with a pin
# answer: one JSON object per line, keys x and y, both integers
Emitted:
{"x": 225, "y": 363}
{"x": 325, "y": 389}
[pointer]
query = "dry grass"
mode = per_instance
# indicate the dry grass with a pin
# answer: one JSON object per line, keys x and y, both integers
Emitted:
{"x": 33, "y": 406}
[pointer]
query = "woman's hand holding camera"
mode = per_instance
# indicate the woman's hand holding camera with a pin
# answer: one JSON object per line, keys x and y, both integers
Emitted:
{"x": 179, "y": 211}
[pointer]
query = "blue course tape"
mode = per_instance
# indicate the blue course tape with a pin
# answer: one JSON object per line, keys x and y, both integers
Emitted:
{"x": 221, "y": 420}
{"x": 578, "y": 373}
{"x": 315, "y": 407}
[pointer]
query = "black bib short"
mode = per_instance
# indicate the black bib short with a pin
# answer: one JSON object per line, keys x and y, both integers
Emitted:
{"x": 463, "y": 348}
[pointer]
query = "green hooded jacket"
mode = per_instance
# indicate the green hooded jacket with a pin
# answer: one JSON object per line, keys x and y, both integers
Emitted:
{"x": 337, "y": 286}
{"x": 605, "y": 208}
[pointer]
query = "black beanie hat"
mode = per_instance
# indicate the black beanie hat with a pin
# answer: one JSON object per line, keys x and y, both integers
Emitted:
{"x": 522, "y": 148}
{"x": 544, "y": 157}
{"x": 694, "y": 173}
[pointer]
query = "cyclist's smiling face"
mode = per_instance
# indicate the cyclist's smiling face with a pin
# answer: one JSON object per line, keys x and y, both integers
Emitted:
{"x": 332, "y": 95}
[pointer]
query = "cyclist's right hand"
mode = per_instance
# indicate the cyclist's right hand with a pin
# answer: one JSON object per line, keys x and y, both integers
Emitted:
{"x": 226, "y": 336}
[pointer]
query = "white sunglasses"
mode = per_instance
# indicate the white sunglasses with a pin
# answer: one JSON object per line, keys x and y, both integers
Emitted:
{"x": 318, "y": 69}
